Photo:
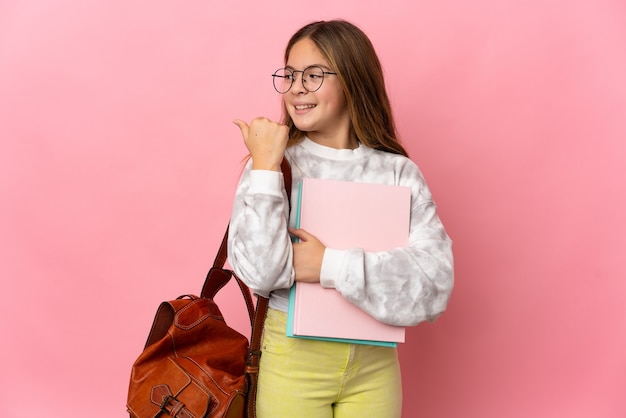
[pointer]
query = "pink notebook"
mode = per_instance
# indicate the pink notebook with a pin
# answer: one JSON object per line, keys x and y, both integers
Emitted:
{"x": 345, "y": 215}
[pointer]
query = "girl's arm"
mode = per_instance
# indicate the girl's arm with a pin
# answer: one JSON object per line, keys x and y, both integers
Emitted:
{"x": 259, "y": 246}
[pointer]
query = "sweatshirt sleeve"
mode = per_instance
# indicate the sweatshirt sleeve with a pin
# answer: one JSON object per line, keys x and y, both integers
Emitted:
{"x": 403, "y": 286}
{"x": 259, "y": 246}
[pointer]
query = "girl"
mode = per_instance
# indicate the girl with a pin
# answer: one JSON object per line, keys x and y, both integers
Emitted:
{"x": 337, "y": 125}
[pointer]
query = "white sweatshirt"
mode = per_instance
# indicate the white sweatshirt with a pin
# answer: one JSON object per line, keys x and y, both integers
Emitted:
{"x": 403, "y": 286}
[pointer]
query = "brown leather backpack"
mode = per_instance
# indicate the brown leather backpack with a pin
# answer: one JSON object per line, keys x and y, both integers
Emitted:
{"x": 193, "y": 364}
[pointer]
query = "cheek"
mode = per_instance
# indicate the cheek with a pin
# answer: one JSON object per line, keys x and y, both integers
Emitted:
{"x": 335, "y": 100}
{"x": 287, "y": 107}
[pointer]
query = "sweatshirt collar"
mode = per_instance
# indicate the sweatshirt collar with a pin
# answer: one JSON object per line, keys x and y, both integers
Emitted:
{"x": 332, "y": 153}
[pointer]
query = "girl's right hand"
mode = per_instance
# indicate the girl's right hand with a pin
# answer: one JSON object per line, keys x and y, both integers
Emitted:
{"x": 266, "y": 140}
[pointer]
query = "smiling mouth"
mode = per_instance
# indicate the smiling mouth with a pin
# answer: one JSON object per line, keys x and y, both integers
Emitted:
{"x": 304, "y": 107}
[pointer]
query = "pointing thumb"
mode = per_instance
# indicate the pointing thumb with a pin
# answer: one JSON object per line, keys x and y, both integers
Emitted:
{"x": 243, "y": 126}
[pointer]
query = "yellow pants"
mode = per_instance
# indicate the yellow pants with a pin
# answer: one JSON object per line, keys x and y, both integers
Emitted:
{"x": 301, "y": 378}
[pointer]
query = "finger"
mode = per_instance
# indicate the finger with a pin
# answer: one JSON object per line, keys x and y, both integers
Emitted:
{"x": 243, "y": 126}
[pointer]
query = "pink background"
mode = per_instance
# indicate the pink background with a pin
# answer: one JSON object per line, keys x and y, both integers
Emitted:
{"x": 118, "y": 164}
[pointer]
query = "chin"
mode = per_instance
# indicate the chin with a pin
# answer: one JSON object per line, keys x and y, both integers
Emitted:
{"x": 304, "y": 127}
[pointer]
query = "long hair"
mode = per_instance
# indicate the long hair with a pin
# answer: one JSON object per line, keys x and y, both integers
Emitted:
{"x": 352, "y": 56}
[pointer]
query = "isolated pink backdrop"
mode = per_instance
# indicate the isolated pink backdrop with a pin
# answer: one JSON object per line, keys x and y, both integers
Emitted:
{"x": 118, "y": 164}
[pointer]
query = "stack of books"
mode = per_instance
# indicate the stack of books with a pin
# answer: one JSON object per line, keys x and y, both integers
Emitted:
{"x": 344, "y": 215}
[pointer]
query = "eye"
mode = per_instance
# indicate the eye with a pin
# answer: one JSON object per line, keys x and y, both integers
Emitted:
{"x": 285, "y": 74}
{"x": 314, "y": 74}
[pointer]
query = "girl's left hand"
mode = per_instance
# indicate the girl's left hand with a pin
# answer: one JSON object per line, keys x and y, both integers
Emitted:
{"x": 308, "y": 254}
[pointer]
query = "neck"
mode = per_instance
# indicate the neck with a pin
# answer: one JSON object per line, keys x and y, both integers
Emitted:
{"x": 345, "y": 141}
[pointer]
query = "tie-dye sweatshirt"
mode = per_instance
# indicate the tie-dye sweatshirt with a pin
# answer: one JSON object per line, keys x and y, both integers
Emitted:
{"x": 403, "y": 286}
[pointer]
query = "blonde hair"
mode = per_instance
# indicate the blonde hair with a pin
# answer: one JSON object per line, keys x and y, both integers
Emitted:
{"x": 351, "y": 55}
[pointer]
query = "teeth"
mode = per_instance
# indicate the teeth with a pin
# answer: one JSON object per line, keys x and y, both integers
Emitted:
{"x": 302, "y": 107}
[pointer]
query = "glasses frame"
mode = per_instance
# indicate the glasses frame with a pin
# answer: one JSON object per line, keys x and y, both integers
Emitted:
{"x": 302, "y": 80}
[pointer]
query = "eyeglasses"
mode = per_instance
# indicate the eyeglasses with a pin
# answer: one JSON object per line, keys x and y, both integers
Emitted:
{"x": 312, "y": 78}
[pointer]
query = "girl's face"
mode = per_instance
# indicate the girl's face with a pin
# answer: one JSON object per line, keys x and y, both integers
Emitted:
{"x": 322, "y": 114}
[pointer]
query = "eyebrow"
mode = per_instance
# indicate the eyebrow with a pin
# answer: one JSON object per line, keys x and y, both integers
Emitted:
{"x": 325, "y": 67}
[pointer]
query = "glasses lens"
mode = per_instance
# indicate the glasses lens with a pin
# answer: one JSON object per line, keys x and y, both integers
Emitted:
{"x": 283, "y": 78}
{"x": 312, "y": 78}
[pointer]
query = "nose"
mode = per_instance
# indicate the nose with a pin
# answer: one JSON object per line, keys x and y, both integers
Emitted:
{"x": 298, "y": 83}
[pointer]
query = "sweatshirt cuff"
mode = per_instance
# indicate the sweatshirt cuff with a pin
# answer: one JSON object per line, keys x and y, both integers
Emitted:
{"x": 331, "y": 267}
{"x": 266, "y": 182}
